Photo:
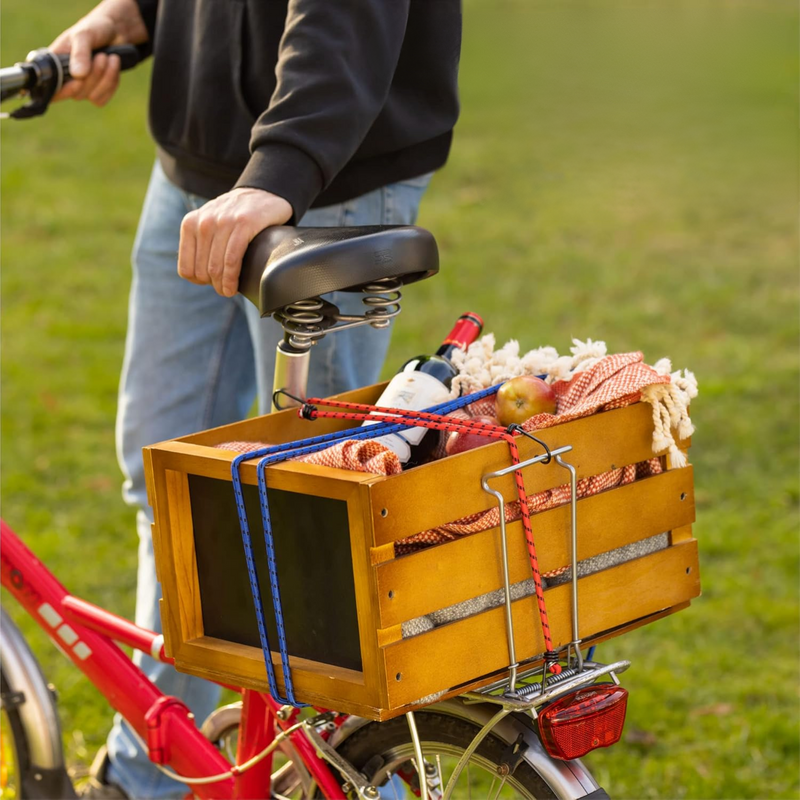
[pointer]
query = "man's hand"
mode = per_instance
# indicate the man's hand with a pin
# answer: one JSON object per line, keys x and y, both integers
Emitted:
{"x": 215, "y": 237}
{"x": 96, "y": 79}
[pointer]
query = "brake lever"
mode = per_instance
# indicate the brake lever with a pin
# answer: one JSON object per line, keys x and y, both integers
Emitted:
{"x": 50, "y": 71}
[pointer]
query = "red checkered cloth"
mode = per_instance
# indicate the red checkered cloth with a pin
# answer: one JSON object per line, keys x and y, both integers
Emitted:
{"x": 613, "y": 382}
{"x": 357, "y": 456}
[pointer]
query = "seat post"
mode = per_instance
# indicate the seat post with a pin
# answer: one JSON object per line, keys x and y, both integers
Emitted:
{"x": 291, "y": 374}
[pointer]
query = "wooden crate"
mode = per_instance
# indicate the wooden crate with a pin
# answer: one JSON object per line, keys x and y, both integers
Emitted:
{"x": 345, "y": 594}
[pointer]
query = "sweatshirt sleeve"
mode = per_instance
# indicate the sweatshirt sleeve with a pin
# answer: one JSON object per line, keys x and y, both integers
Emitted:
{"x": 148, "y": 9}
{"x": 335, "y": 66}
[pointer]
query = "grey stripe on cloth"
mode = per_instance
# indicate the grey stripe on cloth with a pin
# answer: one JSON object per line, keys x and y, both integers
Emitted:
{"x": 476, "y": 605}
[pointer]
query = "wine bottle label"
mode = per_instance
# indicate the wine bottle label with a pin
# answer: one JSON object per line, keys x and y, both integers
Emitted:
{"x": 396, "y": 444}
{"x": 413, "y": 391}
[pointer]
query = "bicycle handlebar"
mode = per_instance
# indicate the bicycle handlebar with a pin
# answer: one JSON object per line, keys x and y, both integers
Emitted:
{"x": 45, "y": 72}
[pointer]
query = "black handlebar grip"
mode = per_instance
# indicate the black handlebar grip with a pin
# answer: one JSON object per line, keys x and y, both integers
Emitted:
{"x": 129, "y": 55}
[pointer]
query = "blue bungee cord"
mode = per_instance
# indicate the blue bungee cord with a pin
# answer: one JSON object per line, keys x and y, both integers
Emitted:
{"x": 273, "y": 455}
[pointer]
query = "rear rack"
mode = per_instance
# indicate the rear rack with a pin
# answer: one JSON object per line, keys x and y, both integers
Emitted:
{"x": 528, "y": 697}
{"x": 516, "y": 692}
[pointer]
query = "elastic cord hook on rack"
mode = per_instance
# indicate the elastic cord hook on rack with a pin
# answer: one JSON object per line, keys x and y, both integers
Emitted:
{"x": 517, "y": 428}
{"x": 276, "y": 395}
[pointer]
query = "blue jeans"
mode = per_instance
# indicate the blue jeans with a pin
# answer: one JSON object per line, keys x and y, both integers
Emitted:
{"x": 195, "y": 360}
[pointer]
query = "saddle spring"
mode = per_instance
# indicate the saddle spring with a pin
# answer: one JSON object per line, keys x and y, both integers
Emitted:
{"x": 382, "y": 300}
{"x": 307, "y": 321}
{"x": 303, "y": 322}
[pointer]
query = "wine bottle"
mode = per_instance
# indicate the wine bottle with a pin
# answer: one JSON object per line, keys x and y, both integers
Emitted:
{"x": 422, "y": 382}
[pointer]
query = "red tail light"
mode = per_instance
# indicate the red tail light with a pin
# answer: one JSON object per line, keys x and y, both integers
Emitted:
{"x": 583, "y": 721}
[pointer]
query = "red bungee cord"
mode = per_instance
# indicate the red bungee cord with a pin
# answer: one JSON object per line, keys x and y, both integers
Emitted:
{"x": 421, "y": 419}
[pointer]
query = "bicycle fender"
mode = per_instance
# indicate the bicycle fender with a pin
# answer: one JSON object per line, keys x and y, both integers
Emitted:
{"x": 46, "y": 776}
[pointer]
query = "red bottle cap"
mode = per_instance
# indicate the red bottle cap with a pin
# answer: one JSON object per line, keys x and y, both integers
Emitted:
{"x": 467, "y": 329}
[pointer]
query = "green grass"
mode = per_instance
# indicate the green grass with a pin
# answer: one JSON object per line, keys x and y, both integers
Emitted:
{"x": 623, "y": 171}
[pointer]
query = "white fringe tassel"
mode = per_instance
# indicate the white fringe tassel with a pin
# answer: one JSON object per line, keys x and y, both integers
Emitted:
{"x": 482, "y": 366}
{"x": 670, "y": 402}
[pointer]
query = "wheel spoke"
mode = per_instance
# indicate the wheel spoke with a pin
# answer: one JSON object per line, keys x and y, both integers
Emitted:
{"x": 499, "y": 788}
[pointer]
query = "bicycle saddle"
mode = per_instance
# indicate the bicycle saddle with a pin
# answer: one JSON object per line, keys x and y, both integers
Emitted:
{"x": 285, "y": 264}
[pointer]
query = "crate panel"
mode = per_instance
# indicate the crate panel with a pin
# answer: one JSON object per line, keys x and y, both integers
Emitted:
{"x": 312, "y": 544}
{"x": 450, "y": 488}
{"x": 459, "y": 652}
{"x": 471, "y": 566}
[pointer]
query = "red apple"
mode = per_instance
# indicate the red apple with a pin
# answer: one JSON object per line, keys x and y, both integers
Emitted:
{"x": 522, "y": 398}
{"x": 458, "y": 442}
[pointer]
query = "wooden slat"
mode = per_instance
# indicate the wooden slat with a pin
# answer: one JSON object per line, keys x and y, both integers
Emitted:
{"x": 382, "y": 554}
{"x": 321, "y": 684}
{"x": 450, "y": 488}
{"x": 680, "y": 534}
{"x": 468, "y": 567}
{"x": 149, "y": 472}
{"x": 163, "y": 550}
{"x": 291, "y": 476}
{"x": 372, "y": 659}
{"x": 190, "y": 611}
{"x": 282, "y": 426}
{"x": 588, "y": 642}
{"x": 458, "y": 652}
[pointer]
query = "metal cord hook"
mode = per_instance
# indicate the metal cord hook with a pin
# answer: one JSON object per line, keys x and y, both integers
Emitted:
{"x": 515, "y": 427}
{"x": 278, "y": 392}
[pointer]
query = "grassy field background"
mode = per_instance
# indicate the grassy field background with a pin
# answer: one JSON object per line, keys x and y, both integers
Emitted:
{"x": 624, "y": 171}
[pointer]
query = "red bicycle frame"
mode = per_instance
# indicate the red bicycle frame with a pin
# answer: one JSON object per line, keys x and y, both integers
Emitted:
{"x": 86, "y": 634}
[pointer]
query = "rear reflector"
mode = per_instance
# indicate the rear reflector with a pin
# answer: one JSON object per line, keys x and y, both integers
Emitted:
{"x": 583, "y": 721}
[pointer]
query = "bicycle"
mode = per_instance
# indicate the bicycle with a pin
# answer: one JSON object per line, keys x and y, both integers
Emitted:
{"x": 259, "y": 746}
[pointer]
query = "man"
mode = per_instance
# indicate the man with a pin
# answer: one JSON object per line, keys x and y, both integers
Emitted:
{"x": 265, "y": 112}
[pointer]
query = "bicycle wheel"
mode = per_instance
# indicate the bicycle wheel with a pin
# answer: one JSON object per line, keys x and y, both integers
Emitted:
{"x": 289, "y": 778}
{"x": 13, "y": 745}
{"x": 383, "y": 750}
{"x": 32, "y": 757}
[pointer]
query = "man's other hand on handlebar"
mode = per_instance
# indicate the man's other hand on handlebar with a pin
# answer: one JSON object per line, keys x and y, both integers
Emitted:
{"x": 215, "y": 237}
{"x": 96, "y": 79}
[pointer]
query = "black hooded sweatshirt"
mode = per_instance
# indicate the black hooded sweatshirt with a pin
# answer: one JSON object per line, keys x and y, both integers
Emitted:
{"x": 317, "y": 101}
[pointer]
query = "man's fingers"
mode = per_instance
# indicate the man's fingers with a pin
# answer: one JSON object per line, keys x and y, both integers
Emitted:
{"x": 80, "y": 54}
{"x": 68, "y": 91}
{"x": 63, "y": 44}
{"x": 204, "y": 236}
{"x": 99, "y": 64}
{"x": 107, "y": 84}
{"x": 216, "y": 253}
{"x": 186, "y": 249}
{"x": 234, "y": 253}
{"x": 214, "y": 239}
